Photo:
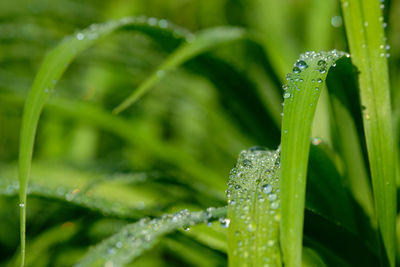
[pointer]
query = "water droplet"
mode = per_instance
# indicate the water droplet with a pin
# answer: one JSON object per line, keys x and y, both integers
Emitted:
{"x": 267, "y": 188}
{"x": 80, "y": 36}
{"x": 152, "y": 21}
{"x": 21, "y": 205}
{"x": 247, "y": 163}
{"x": 272, "y": 197}
{"x": 319, "y": 80}
{"x": 316, "y": 141}
{"x": 321, "y": 63}
{"x": 301, "y": 64}
{"x": 160, "y": 73}
{"x": 296, "y": 70}
{"x": 163, "y": 23}
{"x": 336, "y": 21}
{"x": 275, "y": 205}
{"x": 286, "y": 95}
{"x": 224, "y": 222}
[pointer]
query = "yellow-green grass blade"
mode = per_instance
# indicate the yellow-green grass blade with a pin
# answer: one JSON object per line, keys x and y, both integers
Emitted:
{"x": 118, "y": 195}
{"x": 200, "y": 43}
{"x": 300, "y": 99}
{"x": 53, "y": 66}
{"x": 253, "y": 209}
{"x": 367, "y": 42}
{"x": 132, "y": 240}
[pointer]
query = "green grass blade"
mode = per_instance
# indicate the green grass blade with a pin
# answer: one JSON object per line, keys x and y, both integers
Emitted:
{"x": 253, "y": 209}
{"x": 311, "y": 259}
{"x": 106, "y": 194}
{"x": 53, "y": 66}
{"x": 301, "y": 97}
{"x": 367, "y": 42}
{"x": 134, "y": 239}
{"x": 342, "y": 89}
{"x": 202, "y": 41}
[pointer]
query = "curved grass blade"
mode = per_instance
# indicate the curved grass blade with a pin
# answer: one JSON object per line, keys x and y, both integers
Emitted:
{"x": 119, "y": 195}
{"x": 53, "y": 66}
{"x": 367, "y": 42}
{"x": 301, "y": 96}
{"x": 201, "y": 42}
{"x": 134, "y": 239}
{"x": 253, "y": 209}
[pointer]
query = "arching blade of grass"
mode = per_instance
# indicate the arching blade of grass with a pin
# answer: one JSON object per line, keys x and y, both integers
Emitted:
{"x": 134, "y": 239}
{"x": 119, "y": 195}
{"x": 53, "y": 66}
{"x": 301, "y": 97}
{"x": 367, "y": 42}
{"x": 202, "y": 41}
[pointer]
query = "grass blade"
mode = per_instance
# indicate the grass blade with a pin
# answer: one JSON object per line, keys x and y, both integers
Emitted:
{"x": 119, "y": 195}
{"x": 202, "y": 41}
{"x": 367, "y": 42}
{"x": 342, "y": 88}
{"x": 301, "y": 97}
{"x": 53, "y": 66}
{"x": 253, "y": 210}
{"x": 134, "y": 239}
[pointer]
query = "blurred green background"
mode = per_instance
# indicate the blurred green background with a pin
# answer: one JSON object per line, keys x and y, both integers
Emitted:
{"x": 93, "y": 172}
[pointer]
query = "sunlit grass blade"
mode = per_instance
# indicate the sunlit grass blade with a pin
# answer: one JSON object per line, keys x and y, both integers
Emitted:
{"x": 131, "y": 241}
{"x": 365, "y": 34}
{"x": 301, "y": 97}
{"x": 200, "y": 43}
{"x": 253, "y": 209}
{"x": 106, "y": 194}
{"x": 53, "y": 66}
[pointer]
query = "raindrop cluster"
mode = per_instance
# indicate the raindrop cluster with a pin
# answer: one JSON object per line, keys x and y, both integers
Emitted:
{"x": 317, "y": 64}
{"x": 97, "y": 30}
{"x": 132, "y": 240}
{"x": 254, "y": 212}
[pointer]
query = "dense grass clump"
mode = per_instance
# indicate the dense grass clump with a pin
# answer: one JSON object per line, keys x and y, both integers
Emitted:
{"x": 199, "y": 133}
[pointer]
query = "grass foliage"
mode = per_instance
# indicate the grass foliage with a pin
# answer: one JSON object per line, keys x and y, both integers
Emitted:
{"x": 128, "y": 136}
